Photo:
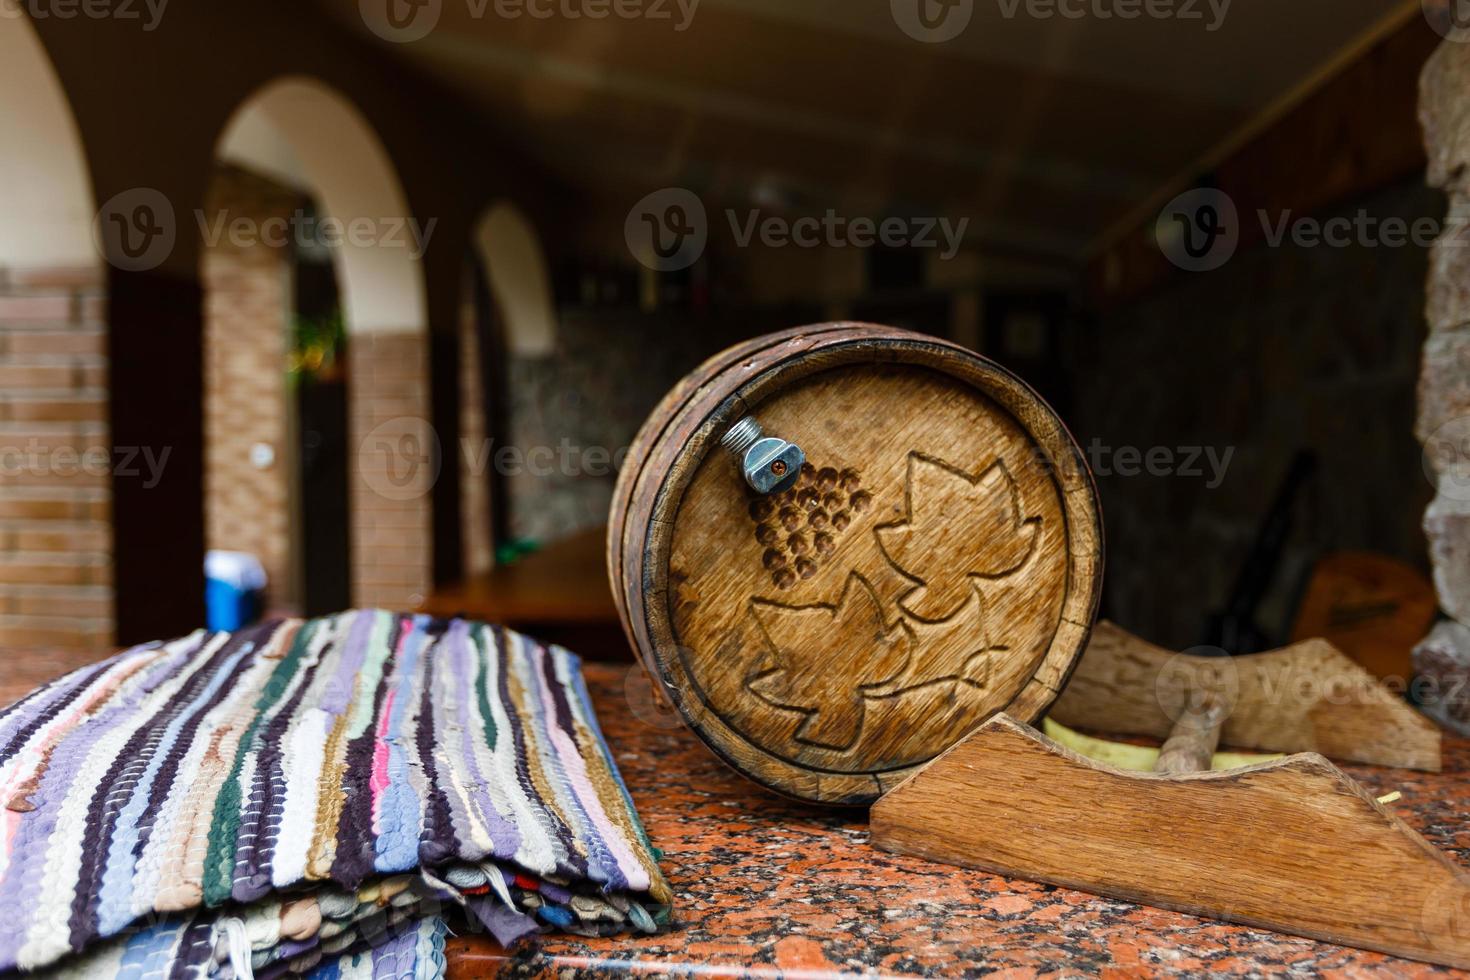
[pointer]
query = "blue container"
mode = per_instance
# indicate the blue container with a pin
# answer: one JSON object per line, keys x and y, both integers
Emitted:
{"x": 234, "y": 589}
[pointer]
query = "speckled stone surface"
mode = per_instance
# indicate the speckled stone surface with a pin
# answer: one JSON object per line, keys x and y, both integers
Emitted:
{"x": 765, "y": 886}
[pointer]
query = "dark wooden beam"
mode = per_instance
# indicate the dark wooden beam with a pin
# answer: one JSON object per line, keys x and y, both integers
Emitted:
{"x": 1356, "y": 132}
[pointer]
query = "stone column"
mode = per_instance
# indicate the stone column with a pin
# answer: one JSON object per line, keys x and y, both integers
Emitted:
{"x": 1443, "y": 657}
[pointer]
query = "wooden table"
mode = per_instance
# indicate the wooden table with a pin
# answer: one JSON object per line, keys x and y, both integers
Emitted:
{"x": 559, "y": 594}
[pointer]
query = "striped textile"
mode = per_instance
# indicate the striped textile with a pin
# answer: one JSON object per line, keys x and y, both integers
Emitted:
{"x": 399, "y": 943}
{"x": 290, "y": 794}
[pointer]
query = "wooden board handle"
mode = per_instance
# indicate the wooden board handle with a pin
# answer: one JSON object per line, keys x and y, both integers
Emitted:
{"x": 1191, "y": 742}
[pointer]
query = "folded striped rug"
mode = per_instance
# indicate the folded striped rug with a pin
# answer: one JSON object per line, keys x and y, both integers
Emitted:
{"x": 312, "y": 795}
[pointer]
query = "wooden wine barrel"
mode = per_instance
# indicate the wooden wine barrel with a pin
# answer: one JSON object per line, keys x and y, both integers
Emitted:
{"x": 936, "y": 558}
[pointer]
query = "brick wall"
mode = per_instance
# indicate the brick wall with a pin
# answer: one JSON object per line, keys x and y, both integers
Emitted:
{"x": 248, "y": 286}
{"x": 395, "y": 463}
{"x": 248, "y": 303}
{"x": 55, "y": 475}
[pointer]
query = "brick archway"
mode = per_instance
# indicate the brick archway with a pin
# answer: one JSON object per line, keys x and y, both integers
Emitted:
{"x": 302, "y": 135}
{"x": 507, "y": 309}
{"x": 55, "y": 540}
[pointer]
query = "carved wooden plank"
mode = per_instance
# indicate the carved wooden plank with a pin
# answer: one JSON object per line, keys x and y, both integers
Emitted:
{"x": 1307, "y": 697}
{"x": 939, "y": 558}
{"x": 1295, "y": 845}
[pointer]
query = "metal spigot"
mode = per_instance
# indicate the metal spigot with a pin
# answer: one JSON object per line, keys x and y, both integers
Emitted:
{"x": 769, "y": 465}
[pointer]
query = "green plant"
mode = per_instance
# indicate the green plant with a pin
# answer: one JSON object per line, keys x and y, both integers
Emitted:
{"x": 317, "y": 346}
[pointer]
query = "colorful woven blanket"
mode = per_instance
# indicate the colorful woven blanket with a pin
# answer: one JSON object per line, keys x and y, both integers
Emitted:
{"x": 312, "y": 795}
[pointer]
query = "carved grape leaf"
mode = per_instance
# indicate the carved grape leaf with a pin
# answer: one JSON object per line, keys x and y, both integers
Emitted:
{"x": 821, "y": 659}
{"x": 933, "y": 662}
{"x": 957, "y": 527}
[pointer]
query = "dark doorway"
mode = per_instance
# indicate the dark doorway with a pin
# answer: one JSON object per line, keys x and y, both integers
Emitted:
{"x": 494, "y": 383}
{"x": 319, "y": 366}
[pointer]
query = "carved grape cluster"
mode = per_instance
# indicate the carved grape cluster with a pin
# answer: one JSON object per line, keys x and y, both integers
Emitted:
{"x": 799, "y": 528}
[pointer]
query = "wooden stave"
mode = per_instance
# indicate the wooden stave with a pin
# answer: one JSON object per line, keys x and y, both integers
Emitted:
{"x": 630, "y": 584}
{"x": 661, "y": 428}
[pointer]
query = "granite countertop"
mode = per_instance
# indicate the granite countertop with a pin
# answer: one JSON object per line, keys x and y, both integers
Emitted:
{"x": 765, "y": 886}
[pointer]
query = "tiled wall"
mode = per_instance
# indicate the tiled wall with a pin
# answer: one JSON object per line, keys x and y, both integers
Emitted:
{"x": 55, "y": 468}
{"x": 248, "y": 300}
{"x": 391, "y": 445}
